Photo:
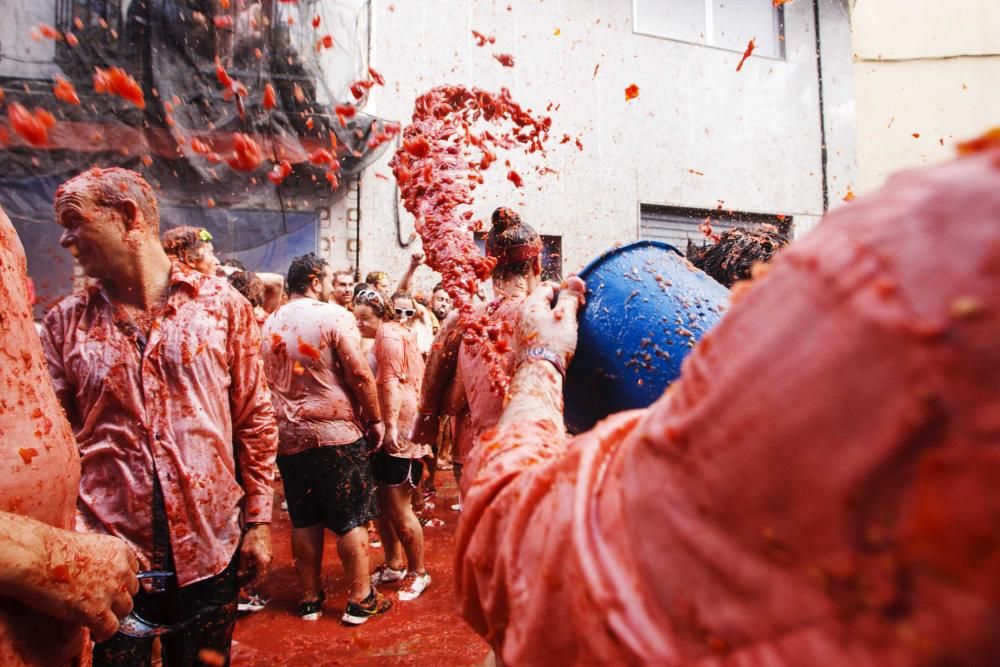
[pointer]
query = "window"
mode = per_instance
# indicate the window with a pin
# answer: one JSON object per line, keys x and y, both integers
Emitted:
{"x": 724, "y": 24}
{"x": 679, "y": 226}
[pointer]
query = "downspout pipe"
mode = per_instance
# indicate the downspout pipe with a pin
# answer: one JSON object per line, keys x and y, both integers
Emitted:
{"x": 824, "y": 153}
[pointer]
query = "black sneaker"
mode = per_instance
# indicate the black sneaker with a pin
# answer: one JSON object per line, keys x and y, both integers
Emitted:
{"x": 359, "y": 612}
{"x": 312, "y": 610}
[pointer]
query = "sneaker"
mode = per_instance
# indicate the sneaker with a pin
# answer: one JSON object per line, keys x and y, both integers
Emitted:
{"x": 384, "y": 574}
{"x": 413, "y": 585}
{"x": 251, "y": 601}
{"x": 457, "y": 507}
{"x": 284, "y": 505}
{"x": 359, "y": 612}
{"x": 312, "y": 610}
{"x": 430, "y": 521}
{"x": 428, "y": 506}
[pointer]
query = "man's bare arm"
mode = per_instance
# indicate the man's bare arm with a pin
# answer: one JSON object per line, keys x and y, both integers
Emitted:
{"x": 358, "y": 375}
{"x": 82, "y": 578}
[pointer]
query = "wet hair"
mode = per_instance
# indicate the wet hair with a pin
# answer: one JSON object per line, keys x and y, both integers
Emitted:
{"x": 115, "y": 186}
{"x": 439, "y": 286}
{"x": 235, "y": 263}
{"x": 374, "y": 276}
{"x": 732, "y": 258}
{"x": 343, "y": 272}
{"x": 302, "y": 270}
{"x": 249, "y": 285}
{"x": 515, "y": 245}
{"x": 379, "y": 302}
{"x": 359, "y": 287}
{"x": 182, "y": 242}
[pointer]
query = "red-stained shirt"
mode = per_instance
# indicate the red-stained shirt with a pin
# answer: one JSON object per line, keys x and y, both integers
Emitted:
{"x": 485, "y": 402}
{"x": 315, "y": 404}
{"x": 190, "y": 406}
{"x": 39, "y": 466}
{"x": 397, "y": 357}
{"x": 819, "y": 487}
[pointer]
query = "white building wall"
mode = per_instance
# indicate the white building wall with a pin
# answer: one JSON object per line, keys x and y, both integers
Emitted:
{"x": 927, "y": 68}
{"x": 754, "y": 134}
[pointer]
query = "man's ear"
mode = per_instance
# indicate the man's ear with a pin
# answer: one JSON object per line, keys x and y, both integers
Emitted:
{"x": 133, "y": 217}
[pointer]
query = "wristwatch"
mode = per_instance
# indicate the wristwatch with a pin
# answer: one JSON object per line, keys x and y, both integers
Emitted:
{"x": 544, "y": 354}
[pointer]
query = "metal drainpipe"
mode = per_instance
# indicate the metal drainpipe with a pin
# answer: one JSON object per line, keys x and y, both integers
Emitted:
{"x": 357, "y": 230}
{"x": 824, "y": 156}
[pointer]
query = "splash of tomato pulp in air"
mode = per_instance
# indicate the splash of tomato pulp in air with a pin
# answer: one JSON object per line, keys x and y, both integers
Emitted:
{"x": 437, "y": 167}
{"x": 32, "y": 126}
{"x": 116, "y": 81}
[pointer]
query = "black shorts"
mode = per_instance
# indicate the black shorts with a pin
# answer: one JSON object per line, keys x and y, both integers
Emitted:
{"x": 331, "y": 485}
{"x": 393, "y": 471}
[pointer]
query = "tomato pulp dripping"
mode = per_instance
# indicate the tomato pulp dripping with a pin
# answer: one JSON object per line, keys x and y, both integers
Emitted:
{"x": 437, "y": 167}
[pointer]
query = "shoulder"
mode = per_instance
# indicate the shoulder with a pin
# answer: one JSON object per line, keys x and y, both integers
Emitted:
{"x": 68, "y": 308}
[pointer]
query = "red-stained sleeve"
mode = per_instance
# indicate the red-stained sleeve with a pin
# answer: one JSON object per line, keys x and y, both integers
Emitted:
{"x": 391, "y": 355}
{"x": 53, "y": 340}
{"x": 255, "y": 433}
{"x": 517, "y": 547}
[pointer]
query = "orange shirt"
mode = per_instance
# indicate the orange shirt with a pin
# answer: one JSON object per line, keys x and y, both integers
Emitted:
{"x": 819, "y": 487}
{"x": 304, "y": 372}
{"x": 188, "y": 405}
{"x": 397, "y": 357}
{"x": 39, "y": 469}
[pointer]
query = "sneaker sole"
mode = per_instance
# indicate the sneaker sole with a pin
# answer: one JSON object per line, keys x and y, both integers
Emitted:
{"x": 312, "y": 617}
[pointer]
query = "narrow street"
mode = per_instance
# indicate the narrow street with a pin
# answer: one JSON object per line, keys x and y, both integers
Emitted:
{"x": 426, "y": 631}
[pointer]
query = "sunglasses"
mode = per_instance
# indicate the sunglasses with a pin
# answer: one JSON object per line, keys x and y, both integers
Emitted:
{"x": 405, "y": 312}
{"x": 369, "y": 296}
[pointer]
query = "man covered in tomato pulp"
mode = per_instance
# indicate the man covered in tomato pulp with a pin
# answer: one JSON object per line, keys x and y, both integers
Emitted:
{"x": 158, "y": 368}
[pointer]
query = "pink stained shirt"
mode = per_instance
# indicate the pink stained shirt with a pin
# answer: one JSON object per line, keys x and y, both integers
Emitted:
{"x": 819, "y": 488}
{"x": 189, "y": 408}
{"x": 304, "y": 372}
{"x": 397, "y": 357}
{"x": 485, "y": 402}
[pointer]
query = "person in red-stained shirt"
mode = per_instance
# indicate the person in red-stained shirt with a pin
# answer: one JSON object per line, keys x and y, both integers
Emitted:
{"x": 328, "y": 413}
{"x": 159, "y": 370}
{"x": 818, "y": 488}
{"x": 55, "y": 584}
{"x": 397, "y": 467}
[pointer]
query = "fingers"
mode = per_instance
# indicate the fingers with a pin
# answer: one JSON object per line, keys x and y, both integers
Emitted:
{"x": 133, "y": 562}
{"x": 570, "y": 298}
{"x": 132, "y": 585}
{"x": 121, "y": 605}
{"x": 104, "y": 626}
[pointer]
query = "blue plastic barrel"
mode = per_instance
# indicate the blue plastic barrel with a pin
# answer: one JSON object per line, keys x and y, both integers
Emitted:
{"x": 646, "y": 308}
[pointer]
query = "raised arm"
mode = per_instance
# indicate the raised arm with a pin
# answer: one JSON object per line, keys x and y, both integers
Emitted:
{"x": 416, "y": 259}
{"x": 438, "y": 375}
{"x": 274, "y": 288}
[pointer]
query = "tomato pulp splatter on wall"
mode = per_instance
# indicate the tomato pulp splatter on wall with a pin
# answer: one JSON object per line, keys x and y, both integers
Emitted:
{"x": 746, "y": 54}
{"x": 438, "y": 166}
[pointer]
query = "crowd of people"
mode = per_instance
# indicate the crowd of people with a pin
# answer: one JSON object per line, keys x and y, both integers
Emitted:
{"x": 817, "y": 488}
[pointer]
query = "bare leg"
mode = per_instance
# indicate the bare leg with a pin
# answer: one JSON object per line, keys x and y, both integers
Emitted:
{"x": 352, "y": 547}
{"x": 307, "y": 548}
{"x": 408, "y": 529}
{"x": 390, "y": 541}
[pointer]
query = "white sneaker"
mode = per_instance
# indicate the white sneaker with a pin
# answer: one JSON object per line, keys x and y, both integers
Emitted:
{"x": 384, "y": 574}
{"x": 284, "y": 505}
{"x": 413, "y": 585}
{"x": 457, "y": 507}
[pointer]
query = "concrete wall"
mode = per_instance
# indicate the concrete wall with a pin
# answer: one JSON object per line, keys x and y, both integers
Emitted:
{"x": 755, "y": 134}
{"x": 922, "y": 67}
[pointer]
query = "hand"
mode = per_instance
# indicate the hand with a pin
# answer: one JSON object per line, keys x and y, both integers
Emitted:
{"x": 83, "y": 578}
{"x": 539, "y": 323}
{"x": 255, "y": 555}
{"x": 416, "y": 259}
{"x": 390, "y": 440}
{"x": 374, "y": 435}
{"x": 425, "y": 429}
